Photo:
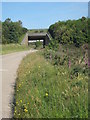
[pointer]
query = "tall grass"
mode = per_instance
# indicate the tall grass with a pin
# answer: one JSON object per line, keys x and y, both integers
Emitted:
{"x": 44, "y": 90}
{"x": 10, "y": 48}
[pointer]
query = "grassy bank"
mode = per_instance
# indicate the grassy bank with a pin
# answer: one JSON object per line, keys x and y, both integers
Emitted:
{"x": 21, "y": 38}
{"x": 10, "y": 48}
{"x": 44, "y": 90}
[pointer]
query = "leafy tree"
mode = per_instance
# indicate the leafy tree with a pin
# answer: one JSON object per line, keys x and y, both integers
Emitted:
{"x": 70, "y": 31}
{"x": 11, "y": 31}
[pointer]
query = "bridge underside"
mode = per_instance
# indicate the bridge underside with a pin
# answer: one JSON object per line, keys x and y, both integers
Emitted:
{"x": 44, "y": 37}
{"x": 36, "y": 37}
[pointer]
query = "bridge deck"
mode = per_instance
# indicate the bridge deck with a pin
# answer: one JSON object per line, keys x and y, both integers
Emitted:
{"x": 37, "y": 34}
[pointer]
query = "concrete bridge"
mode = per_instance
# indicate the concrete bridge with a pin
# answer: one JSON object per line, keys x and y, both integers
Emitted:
{"x": 34, "y": 37}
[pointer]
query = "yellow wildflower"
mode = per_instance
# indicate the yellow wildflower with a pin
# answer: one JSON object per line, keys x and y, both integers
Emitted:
{"x": 25, "y": 110}
{"x": 15, "y": 111}
{"x": 62, "y": 73}
{"x": 16, "y": 102}
{"x": 46, "y": 94}
{"x": 21, "y": 101}
{"x": 19, "y": 85}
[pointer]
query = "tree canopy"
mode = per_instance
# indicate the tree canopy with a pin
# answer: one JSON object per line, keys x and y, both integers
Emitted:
{"x": 11, "y": 31}
{"x": 70, "y": 31}
{"x": 65, "y": 32}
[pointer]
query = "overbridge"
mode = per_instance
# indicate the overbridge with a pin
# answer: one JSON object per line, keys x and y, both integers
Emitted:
{"x": 34, "y": 37}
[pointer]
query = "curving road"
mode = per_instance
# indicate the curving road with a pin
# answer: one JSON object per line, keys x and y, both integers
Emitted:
{"x": 10, "y": 63}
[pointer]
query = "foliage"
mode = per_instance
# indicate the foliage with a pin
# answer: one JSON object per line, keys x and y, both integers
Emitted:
{"x": 70, "y": 32}
{"x": 38, "y": 44}
{"x": 12, "y": 31}
{"x": 53, "y": 45}
{"x": 21, "y": 38}
{"x": 70, "y": 56}
{"x": 46, "y": 91}
{"x": 54, "y": 83}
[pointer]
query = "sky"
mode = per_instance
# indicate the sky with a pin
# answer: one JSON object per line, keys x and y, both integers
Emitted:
{"x": 38, "y": 15}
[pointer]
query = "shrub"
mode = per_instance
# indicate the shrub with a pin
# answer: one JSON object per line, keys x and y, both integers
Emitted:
{"x": 70, "y": 31}
{"x": 38, "y": 44}
{"x": 54, "y": 45}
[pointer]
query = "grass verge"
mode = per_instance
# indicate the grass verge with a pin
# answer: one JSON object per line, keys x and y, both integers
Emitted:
{"x": 10, "y": 48}
{"x": 46, "y": 91}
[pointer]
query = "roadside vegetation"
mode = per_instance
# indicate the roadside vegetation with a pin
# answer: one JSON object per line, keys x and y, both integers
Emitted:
{"x": 12, "y": 35}
{"x": 21, "y": 38}
{"x": 53, "y": 84}
{"x": 12, "y": 31}
{"x": 10, "y": 48}
{"x": 71, "y": 31}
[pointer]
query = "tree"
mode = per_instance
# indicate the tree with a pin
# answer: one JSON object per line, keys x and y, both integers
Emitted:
{"x": 8, "y": 20}
{"x": 11, "y": 31}
{"x": 70, "y": 31}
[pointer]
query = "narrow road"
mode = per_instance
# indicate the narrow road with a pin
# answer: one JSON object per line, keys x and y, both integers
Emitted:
{"x": 10, "y": 63}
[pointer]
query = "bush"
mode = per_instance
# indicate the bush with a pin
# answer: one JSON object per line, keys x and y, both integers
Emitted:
{"x": 12, "y": 31}
{"x": 54, "y": 45}
{"x": 70, "y": 31}
{"x": 38, "y": 44}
